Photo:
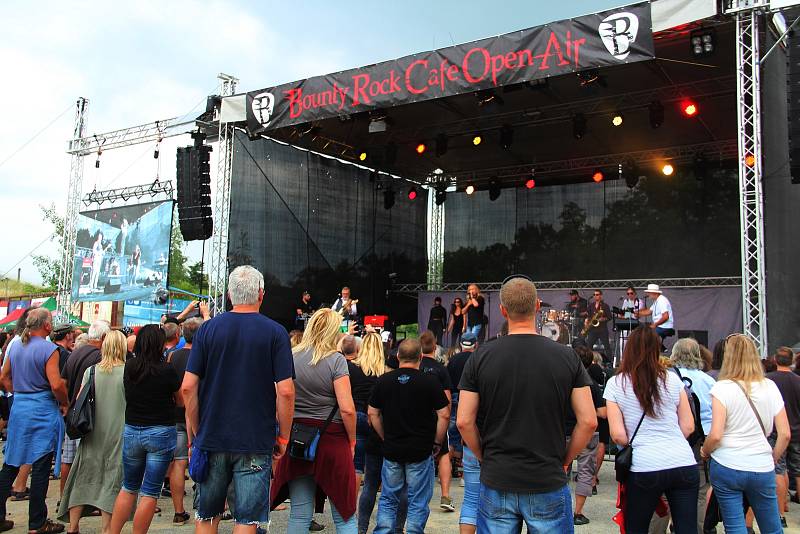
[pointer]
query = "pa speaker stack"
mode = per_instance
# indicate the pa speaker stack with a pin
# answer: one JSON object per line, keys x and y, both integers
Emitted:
{"x": 793, "y": 92}
{"x": 194, "y": 192}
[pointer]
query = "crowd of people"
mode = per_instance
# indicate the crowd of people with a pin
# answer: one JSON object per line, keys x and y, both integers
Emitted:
{"x": 320, "y": 418}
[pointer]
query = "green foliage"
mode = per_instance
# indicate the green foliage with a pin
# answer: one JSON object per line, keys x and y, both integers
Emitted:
{"x": 48, "y": 266}
{"x": 182, "y": 274}
{"x": 12, "y": 288}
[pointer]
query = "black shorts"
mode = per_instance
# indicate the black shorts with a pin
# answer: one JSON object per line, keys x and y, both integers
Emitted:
{"x": 603, "y": 430}
{"x": 5, "y": 412}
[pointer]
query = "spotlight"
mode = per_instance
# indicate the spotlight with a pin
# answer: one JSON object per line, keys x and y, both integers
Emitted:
{"x": 667, "y": 169}
{"x": 702, "y": 42}
{"x": 470, "y": 189}
{"x": 656, "y": 114}
{"x": 440, "y": 197}
{"x": 506, "y": 136}
{"x": 597, "y": 176}
{"x": 476, "y": 139}
{"x": 441, "y": 145}
{"x": 579, "y": 125}
{"x": 630, "y": 171}
{"x": 412, "y": 193}
{"x": 530, "y": 183}
{"x": 750, "y": 160}
{"x": 494, "y": 190}
{"x": 617, "y": 119}
{"x": 421, "y": 148}
{"x": 388, "y": 199}
{"x": 689, "y": 108}
{"x": 362, "y": 156}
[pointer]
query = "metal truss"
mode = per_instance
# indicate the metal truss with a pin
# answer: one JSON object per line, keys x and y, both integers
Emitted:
{"x": 435, "y": 241}
{"x": 751, "y": 200}
{"x": 153, "y": 189}
{"x": 143, "y": 133}
{"x": 724, "y": 149}
{"x": 64, "y": 296}
{"x": 673, "y": 283}
{"x": 218, "y": 270}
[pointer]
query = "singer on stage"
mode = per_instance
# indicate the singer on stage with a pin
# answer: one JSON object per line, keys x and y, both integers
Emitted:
{"x": 345, "y": 302}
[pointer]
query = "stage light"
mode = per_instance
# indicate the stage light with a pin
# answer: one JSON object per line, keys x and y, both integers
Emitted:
{"x": 494, "y": 190}
{"x": 441, "y": 196}
{"x": 388, "y": 199}
{"x": 630, "y": 172}
{"x": 702, "y": 42}
{"x": 362, "y": 156}
{"x": 667, "y": 169}
{"x": 750, "y": 160}
{"x": 506, "y": 136}
{"x": 689, "y": 108}
{"x": 412, "y": 193}
{"x": 530, "y": 183}
{"x": 441, "y": 145}
{"x": 421, "y": 148}
{"x": 617, "y": 119}
{"x": 598, "y": 176}
{"x": 656, "y": 110}
{"x": 477, "y": 139}
{"x": 438, "y": 170}
{"x": 470, "y": 189}
{"x": 578, "y": 125}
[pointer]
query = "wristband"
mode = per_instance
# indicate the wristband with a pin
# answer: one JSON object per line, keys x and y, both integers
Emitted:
{"x": 281, "y": 440}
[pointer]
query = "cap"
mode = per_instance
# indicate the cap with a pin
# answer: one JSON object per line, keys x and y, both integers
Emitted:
{"x": 573, "y": 291}
{"x": 468, "y": 340}
{"x": 61, "y": 331}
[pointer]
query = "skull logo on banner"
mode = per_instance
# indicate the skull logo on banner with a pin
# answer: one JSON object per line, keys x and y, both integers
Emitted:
{"x": 618, "y": 32}
{"x": 263, "y": 105}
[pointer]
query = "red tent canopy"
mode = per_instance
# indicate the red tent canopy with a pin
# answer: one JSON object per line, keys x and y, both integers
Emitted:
{"x": 13, "y": 316}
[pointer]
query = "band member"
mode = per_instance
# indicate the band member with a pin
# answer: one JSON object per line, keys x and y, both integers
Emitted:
{"x": 304, "y": 311}
{"x": 98, "y": 253}
{"x": 134, "y": 265}
{"x": 661, "y": 312}
{"x": 474, "y": 310}
{"x": 437, "y": 319}
{"x": 456, "y": 325}
{"x": 345, "y": 302}
{"x": 576, "y": 307}
{"x": 630, "y": 305}
{"x": 599, "y": 311}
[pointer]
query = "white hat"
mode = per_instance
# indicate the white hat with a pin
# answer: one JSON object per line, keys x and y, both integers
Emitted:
{"x": 652, "y": 288}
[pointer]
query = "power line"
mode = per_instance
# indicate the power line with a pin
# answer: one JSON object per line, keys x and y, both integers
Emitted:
{"x": 48, "y": 238}
{"x": 37, "y": 134}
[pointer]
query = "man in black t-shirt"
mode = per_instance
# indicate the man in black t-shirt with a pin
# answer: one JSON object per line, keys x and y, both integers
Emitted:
{"x": 455, "y": 368}
{"x": 409, "y": 411}
{"x": 523, "y": 452}
{"x": 62, "y": 336}
{"x": 437, "y": 319}
{"x": 474, "y": 310}
{"x": 304, "y": 310}
{"x": 789, "y": 385}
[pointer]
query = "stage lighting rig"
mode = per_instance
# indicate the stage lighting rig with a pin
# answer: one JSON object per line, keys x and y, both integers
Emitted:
{"x": 470, "y": 189}
{"x": 630, "y": 172}
{"x": 412, "y": 193}
{"x": 617, "y": 119}
{"x": 494, "y": 190}
{"x": 667, "y": 169}
{"x": 441, "y": 145}
{"x": 362, "y": 156}
{"x": 440, "y": 197}
{"x": 579, "y": 125}
{"x": 656, "y": 110}
{"x": 689, "y": 108}
{"x": 506, "y": 136}
{"x": 477, "y": 139}
{"x": 702, "y": 42}
{"x": 750, "y": 160}
{"x": 598, "y": 176}
{"x": 421, "y": 148}
{"x": 530, "y": 183}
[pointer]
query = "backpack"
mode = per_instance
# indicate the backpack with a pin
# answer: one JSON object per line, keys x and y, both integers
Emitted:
{"x": 694, "y": 403}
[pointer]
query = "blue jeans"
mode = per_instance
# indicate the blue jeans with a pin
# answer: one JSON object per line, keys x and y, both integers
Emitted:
{"x": 395, "y": 477}
{"x": 302, "y": 492}
{"x": 453, "y": 435}
{"x": 146, "y": 455}
{"x": 475, "y": 329}
{"x": 248, "y": 477}
{"x": 730, "y": 485}
{"x": 472, "y": 489}
{"x": 503, "y": 512}
{"x": 362, "y": 433}
{"x": 373, "y": 464}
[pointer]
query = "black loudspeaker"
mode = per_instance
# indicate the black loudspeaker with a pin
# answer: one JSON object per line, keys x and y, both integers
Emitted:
{"x": 112, "y": 286}
{"x": 793, "y": 94}
{"x": 193, "y": 176}
{"x": 701, "y": 336}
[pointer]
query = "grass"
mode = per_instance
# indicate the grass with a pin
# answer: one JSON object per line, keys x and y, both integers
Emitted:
{"x": 13, "y": 288}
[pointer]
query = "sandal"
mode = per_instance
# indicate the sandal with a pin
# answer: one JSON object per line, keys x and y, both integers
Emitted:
{"x": 21, "y": 495}
{"x": 49, "y": 527}
{"x": 157, "y": 510}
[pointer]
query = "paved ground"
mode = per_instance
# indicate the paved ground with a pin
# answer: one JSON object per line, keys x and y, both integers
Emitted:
{"x": 599, "y": 509}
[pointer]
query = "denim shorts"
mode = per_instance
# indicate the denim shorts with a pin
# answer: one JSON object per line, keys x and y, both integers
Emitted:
{"x": 248, "y": 476}
{"x": 146, "y": 455}
{"x": 453, "y": 435}
{"x": 472, "y": 489}
{"x": 182, "y": 443}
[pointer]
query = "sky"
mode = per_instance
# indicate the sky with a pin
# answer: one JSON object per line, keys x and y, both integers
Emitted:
{"x": 141, "y": 61}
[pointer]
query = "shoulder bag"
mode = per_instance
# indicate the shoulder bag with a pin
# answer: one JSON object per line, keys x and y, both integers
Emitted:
{"x": 80, "y": 416}
{"x": 304, "y": 439}
{"x": 624, "y": 458}
{"x": 753, "y": 407}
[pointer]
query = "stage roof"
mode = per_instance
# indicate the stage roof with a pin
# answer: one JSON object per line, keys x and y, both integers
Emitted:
{"x": 539, "y": 115}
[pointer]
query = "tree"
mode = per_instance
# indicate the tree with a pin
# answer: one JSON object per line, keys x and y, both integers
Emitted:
{"x": 48, "y": 266}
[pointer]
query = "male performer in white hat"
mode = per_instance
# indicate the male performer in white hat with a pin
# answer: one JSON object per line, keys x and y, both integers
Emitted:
{"x": 661, "y": 311}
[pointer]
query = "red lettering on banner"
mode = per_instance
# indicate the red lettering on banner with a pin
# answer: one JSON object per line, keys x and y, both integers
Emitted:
{"x": 393, "y": 79}
{"x": 552, "y": 43}
{"x": 295, "y": 102}
{"x": 360, "y": 86}
{"x": 452, "y": 72}
{"x": 576, "y": 44}
{"x": 411, "y": 88}
{"x": 465, "y": 65}
{"x": 525, "y": 58}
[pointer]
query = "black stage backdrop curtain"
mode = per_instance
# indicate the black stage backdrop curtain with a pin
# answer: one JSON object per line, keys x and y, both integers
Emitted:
{"x": 666, "y": 227}
{"x": 312, "y": 223}
{"x": 715, "y": 310}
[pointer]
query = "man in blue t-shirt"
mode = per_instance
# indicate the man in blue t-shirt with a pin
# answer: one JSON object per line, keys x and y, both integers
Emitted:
{"x": 239, "y": 371}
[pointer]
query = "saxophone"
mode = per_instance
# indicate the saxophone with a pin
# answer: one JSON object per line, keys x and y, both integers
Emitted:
{"x": 594, "y": 322}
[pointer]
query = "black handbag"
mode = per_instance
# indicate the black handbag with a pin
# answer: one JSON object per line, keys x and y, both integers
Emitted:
{"x": 624, "y": 458}
{"x": 304, "y": 439}
{"x": 80, "y": 416}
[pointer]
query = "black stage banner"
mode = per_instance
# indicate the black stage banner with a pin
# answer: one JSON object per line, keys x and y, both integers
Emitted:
{"x": 613, "y": 37}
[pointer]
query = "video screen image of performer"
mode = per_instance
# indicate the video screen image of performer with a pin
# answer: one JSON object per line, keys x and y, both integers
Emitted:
{"x": 437, "y": 319}
{"x": 596, "y": 324}
{"x": 661, "y": 312}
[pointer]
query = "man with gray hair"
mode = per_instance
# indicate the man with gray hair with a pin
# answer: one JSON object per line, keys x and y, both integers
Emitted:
{"x": 78, "y": 361}
{"x": 239, "y": 375}
{"x": 521, "y": 453}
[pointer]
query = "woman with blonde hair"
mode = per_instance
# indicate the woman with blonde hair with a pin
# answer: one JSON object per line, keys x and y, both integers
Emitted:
{"x": 96, "y": 475}
{"x": 322, "y": 389}
{"x": 745, "y": 407}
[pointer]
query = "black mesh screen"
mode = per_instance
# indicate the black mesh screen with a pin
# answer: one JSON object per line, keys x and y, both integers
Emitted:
{"x": 311, "y": 223}
{"x": 666, "y": 227}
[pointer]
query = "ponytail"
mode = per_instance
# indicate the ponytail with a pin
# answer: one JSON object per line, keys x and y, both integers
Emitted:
{"x": 26, "y": 335}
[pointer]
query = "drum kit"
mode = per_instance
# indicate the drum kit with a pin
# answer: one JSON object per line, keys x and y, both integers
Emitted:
{"x": 558, "y": 325}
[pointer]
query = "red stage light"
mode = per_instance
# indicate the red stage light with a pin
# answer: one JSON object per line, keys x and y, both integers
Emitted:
{"x": 531, "y": 183}
{"x": 598, "y": 176}
{"x": 421, "y": 148}
{"x": 689, "y": 108}
{"x": 750, "y": 160}
{"x": 412, "y": 193}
